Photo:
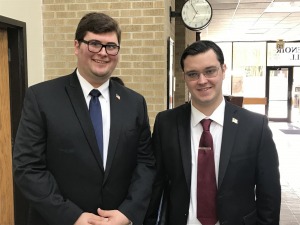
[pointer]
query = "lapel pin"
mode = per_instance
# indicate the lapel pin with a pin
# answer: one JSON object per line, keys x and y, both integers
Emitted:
{"x": 118, "y": 96}
{"x": 234, "y": 120}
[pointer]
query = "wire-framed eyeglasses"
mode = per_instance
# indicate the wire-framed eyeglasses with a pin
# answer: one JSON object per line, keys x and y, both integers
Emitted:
{"x": 96, "y": 46}
{"x": 208, "y": 73}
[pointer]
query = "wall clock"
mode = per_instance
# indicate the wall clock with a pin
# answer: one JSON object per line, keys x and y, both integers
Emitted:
{"x": 196, "y": 14}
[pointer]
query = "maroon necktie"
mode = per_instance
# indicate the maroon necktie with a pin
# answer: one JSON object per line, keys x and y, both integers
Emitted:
{"x": 206, "y": 178}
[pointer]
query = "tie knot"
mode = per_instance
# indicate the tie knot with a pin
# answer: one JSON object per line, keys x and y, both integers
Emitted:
{"x": 95, "y": 93}
{"x": 205, "y": 124}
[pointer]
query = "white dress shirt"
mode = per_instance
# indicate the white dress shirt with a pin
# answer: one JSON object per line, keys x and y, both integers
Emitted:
{"x": 105, "y": 107}
{"x": 216, "y": 129}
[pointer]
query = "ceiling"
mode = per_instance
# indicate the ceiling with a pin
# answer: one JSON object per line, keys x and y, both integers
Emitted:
{"x": 245, "y": 20}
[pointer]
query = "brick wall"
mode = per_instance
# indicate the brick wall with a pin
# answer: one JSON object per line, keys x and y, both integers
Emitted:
{"x": 143, "y": 56}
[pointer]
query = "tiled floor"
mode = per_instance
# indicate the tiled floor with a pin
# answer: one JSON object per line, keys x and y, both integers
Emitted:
{"x": 288, "y": 146}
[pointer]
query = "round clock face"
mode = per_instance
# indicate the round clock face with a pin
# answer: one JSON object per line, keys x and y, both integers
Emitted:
{"x": 196, "y": 14}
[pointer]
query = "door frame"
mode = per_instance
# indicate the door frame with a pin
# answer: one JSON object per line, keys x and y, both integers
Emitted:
{"x": 289, "y": 94}
{"x": 18, "y": 83}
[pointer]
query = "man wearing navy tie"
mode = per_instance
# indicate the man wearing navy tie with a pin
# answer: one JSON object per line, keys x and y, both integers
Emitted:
{"x": 75, "y": 167}
{"x": 217, "y": 163}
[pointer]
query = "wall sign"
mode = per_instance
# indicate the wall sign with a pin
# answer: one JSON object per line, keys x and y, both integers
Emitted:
{"x": 288, "y": 56}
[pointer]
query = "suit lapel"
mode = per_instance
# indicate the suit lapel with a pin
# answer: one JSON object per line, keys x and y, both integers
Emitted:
{"x": 231, "y": 120}
{"x": 77, "y": 99}
{"x": 184, "y": 133}
{"x": 115, "y": 126}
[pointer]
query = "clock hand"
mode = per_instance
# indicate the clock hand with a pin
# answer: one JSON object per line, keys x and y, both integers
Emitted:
{"x": 194, "y": 7}
{"x": 194, "y": 17}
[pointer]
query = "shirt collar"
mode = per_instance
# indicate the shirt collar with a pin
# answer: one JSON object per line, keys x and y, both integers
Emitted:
{"x": 217, "y": 116}
{"x": 87, "y": 87}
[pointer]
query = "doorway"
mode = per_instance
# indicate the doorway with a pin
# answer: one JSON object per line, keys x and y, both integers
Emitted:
{"x": 279, "y": 81}
{"x": 14, "y": 82}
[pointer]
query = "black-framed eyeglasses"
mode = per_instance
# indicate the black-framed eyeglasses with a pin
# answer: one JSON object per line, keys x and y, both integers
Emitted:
{"x": 96, "y": 46}
{"x": 208, "y": 73}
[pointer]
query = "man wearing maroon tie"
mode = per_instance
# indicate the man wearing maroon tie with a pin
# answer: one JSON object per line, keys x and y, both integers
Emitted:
{"x": 217, "y": 163}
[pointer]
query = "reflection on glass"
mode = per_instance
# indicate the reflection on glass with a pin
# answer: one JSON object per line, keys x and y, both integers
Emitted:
{"x": 278, "y": 93}
{"x": 237, "y": 86}
{"x": 227, "y": 51}
{"x": 249, "y": 65}
{"x": 296, "y": 96}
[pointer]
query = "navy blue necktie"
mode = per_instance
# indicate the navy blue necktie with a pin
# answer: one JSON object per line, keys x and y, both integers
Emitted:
{"x": 96, "y": 117}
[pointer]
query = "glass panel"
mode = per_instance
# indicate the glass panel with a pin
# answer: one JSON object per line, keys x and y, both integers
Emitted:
{"x": 249, "y": 66}
{"x": 278, "y": 93}
{"x": 249, "y": 72}
{"x": 296, "y": 96}
{"x": 227, "y": 52}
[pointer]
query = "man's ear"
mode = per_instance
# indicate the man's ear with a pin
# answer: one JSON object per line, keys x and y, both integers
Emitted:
{"x": 76, "y": 46}
{"x": 224, "y": 68}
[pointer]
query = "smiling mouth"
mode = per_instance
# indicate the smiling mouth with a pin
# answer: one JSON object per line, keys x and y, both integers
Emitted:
{"x": 99, "y": 61}
{"x": 204, "y": 89}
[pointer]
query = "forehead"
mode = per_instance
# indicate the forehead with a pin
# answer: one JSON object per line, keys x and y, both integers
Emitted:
{"x": 202, "y": 60}
{"x": 103, "y": 37}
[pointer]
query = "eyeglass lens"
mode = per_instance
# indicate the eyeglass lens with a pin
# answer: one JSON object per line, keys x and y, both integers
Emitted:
{"x": 96, "y": 46}
{"x": 208, "y": 73}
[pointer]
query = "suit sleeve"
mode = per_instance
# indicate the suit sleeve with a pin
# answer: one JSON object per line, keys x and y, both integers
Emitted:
{"x": 136, "y": 203}
{"x": 268, "y": 189}
{"x": 30, "y": 168}
{"x": 157, "y": 203}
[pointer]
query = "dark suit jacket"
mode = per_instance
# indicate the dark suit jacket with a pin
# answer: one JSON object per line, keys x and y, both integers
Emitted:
{"x": 249, "y": 189}
{"x": 56, "y": 160}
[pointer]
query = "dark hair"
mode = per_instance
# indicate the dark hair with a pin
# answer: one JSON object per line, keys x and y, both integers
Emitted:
{"x": 201, "y": 47}
{"x": 118, "y": 79}
{"x": 97, "y": 23}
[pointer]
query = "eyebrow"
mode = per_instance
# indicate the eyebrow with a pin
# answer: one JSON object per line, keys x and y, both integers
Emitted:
{"x": 108, "y": 43}
{"x": 211, "y": 67}
{"x": 206, "y": 68}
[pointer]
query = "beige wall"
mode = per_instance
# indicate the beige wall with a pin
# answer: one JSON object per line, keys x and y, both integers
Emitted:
{"x": 30, "y": 12}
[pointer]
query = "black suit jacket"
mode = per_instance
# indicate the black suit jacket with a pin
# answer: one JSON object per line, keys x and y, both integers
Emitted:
{"x": 56, "y": 160}
{"x": 249, "y": 189}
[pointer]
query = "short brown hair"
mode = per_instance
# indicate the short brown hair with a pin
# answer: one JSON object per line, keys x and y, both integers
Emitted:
{"x": 97, "y": 23}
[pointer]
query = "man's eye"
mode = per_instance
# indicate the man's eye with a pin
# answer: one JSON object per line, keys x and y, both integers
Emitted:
{"x": 95, "y": 43}
{"x": 111, "y": 46}
{"x": 192, "y": 74}
{"x": 208, "y": 72}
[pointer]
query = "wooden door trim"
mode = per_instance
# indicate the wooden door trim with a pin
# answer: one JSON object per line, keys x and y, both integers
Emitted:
{"x": 6, "y": 180}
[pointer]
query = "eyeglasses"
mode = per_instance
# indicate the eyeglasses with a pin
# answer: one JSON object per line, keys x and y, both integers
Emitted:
{"x": 208, "y": 73}
{"x": 96, "y": 46}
